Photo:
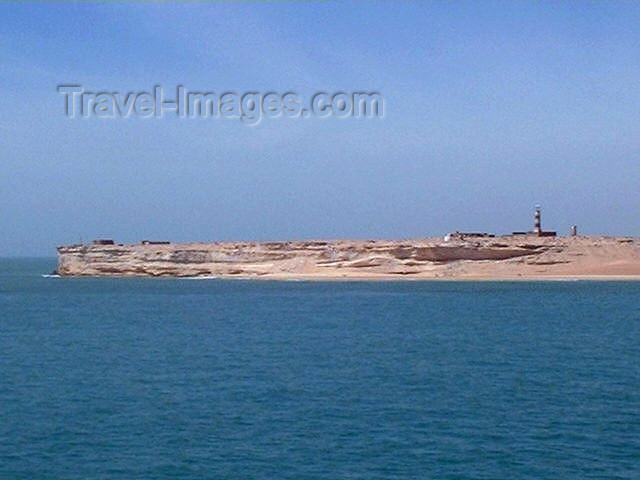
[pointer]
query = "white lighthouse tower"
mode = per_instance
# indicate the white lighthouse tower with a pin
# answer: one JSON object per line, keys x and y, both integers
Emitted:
{"x": 537, "y": 222}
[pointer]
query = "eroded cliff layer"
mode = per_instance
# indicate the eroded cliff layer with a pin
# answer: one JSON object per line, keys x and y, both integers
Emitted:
{"x": 500, "y": 257}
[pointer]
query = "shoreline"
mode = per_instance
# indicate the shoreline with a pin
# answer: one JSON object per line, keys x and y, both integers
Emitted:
{"x": 371, "y": 279}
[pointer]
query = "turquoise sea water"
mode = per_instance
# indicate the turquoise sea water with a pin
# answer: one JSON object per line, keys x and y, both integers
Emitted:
{"x": 206, "y": 379}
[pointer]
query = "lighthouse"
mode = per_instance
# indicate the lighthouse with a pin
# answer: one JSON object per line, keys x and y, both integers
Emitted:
{"x": 537, "y": 225}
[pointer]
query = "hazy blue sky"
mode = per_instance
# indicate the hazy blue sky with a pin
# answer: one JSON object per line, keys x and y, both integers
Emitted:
{"x": 490, "y": 108}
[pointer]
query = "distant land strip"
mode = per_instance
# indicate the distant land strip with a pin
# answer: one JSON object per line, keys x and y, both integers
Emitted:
{"x": 506, "y": 257}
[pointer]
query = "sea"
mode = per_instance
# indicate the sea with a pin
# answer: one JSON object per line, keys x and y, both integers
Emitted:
{"x": 142, "y": 378}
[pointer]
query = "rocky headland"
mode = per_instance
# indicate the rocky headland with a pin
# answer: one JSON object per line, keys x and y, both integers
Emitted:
{"x": 502, "y": 257}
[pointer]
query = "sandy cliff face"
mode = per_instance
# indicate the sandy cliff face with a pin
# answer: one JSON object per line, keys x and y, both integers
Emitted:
{"x": 500, "y": 257}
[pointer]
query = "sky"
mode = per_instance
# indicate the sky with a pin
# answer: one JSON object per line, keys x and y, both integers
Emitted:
{"x": 490, "y": 108}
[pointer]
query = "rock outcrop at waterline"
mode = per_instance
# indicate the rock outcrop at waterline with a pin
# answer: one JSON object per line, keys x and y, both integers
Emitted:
{"x": 499, "y": 257}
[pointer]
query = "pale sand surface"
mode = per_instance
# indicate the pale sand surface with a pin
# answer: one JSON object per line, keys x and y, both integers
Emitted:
{"x": 501, "y": 258}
